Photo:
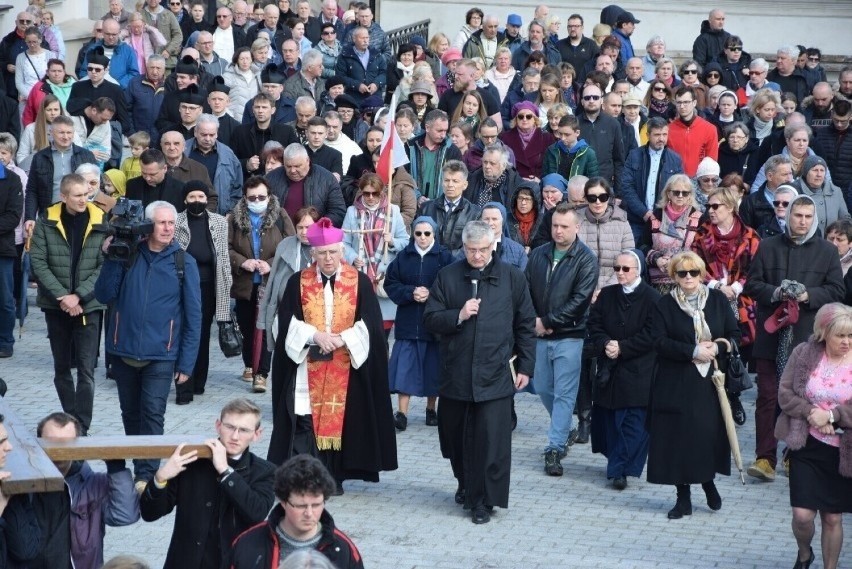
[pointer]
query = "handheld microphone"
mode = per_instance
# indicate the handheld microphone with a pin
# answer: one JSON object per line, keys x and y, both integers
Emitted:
{"x": 475, "y": 275}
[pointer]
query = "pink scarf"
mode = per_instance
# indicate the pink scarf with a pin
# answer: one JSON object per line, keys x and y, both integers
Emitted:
{"x": 373, "y": 242}
{"x": 526, "y": 137}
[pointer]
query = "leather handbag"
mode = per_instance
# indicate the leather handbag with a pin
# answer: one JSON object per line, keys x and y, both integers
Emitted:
{"x": 230, "y": 337}
{"x": 737, "y": 378}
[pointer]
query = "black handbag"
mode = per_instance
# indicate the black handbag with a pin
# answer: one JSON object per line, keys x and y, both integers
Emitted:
{"x": 737, "y": 378}
{"x": 230, "y": 337}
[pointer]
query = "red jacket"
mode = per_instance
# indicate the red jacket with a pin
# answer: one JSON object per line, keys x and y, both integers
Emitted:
{"x": 693, "y": 142}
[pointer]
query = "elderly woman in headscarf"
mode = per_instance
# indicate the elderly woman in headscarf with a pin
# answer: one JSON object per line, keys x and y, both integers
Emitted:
{"x": 510, "y": 251}
{"x": 620, "y": 333}
{"x": 527, "y": 140}
{"x": 828, "y": 198}
{"x": 375, "y": 233}
{"x": 777, "y": 224}
{"x": 414, "y": 366}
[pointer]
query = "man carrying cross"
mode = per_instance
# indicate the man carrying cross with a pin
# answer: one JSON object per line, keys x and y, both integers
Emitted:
{"x": 330, "y": 393}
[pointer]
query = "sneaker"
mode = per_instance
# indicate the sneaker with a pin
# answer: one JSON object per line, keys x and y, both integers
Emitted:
{"x": 762, "y": 470}
{"x": 572, "y": 437}
{"x": 552, "y": 466}
{"x": 248, "y": 374}
{"x": 140, "y": 486}
{"x": 400, "y": 421}
{"x": 431, "y": 418}
{"x": 258, "y": 384}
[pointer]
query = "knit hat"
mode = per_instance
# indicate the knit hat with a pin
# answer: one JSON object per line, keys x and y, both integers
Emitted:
{"x": 270, "y": 74}
{"x": 371, "y": 103}
{"x": 452, "y": 54}
{"x": 118, "y": 181}
{"x": 218, "y": 84}
{"x": 425, "y": 219}
{"x": 524, "y": 105}
{"x": 812, "y": 161}
{"x": 555, "y": 180}
{"x": 195, "y": 186}
{"x": 707, "y": 167}
{"x": 333, "y": 81}
{"x": 323, "y": 232}
{"x": 96, "y": 56}
{"x": 417, "y": 40}
{"x": 345, "y": 101}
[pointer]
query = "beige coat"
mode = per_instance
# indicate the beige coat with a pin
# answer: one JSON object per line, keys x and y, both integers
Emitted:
{"x": 606, "y": 237}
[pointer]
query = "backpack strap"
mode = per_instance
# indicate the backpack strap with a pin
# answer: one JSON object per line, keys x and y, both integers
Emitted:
{"x": 180, "y": 264}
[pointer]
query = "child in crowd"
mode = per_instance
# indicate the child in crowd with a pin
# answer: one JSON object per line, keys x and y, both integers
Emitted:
{"x": 139, "y": 143}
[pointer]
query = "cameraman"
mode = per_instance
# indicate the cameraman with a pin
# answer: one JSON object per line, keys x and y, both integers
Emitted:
{"x": 155, "y": 326}
{"x": 66, "y": 261}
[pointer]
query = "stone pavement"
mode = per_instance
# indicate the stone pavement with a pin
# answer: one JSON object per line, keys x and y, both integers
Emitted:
{"x": 409, "y": 519}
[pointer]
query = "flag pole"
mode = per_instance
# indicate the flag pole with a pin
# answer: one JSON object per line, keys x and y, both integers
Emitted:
{"x": 388, "y": 218}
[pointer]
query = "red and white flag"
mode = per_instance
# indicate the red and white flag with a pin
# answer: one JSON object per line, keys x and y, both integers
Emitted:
{"x": 393, "y": 154}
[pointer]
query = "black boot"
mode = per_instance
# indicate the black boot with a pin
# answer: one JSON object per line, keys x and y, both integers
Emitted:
{"x": 514, "y": 416}
{"x": 737, "y": 411}
{"x": 683, "y": 507}
{"x": 714, "y": 500}
{"x": 584, "y": 426}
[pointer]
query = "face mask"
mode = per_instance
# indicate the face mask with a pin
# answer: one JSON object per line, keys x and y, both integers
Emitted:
{"x": 196, "y": 208}
{"x": 258, "y": 207}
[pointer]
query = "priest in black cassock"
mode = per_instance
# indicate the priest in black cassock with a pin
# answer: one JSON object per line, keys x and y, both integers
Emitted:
{"x": 330, "y": 394}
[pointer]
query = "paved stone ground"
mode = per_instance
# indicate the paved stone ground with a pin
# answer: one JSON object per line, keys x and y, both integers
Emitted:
{"x": 409, "y": 519}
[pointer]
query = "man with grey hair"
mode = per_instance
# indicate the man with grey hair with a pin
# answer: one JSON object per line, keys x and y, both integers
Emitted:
{"x": 757, "y": 71}
{"x": 221, "y": 163}
{"x": 495, "y": 181}
{"x": 306, "y": 109}
{"x": 306, "y": 184}
{"x": 328, "y": 15}
{"x": 227, "y": 37}
{"x": 337, "y": 139}
{"x": 481, "y": 310}
{"x": 210, "y": 61}
{"x": 308, "y": 82}
{"x": 536, "y": 41}
{"x": 271, "y": 24}
{"x": 787, "y": 75}
{"x": 711, "y": 41}
{"x": 144, "y": 95}
{"x": 428, "y": 152}
{"x": 362, "y": 66}
{"x": 182, "y": 168}
{"x": 155, "y": 342}
{"x": 484, "y": 42}
{"x": 241, "y": 14}
{"x": 756, "y": 209}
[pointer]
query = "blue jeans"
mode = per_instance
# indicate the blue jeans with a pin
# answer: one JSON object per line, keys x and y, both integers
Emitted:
{"x": 142, "y": 395}
{"x": 557, "y": 377}
{"x": 7, "y": 303}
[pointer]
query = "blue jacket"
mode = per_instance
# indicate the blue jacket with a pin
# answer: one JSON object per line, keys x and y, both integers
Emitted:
{"x": 122, "y": 66}
{"x": 228, "y": 181}
{"x": 551, "y": 54}
{"x": 405, "y": 273}
{"x": 626, "y": 46}
{"x": 144, "y": 101}
{"x": 512, "y": 253}
{"x": 634, "y": 179}
{"x": 153, "y": 317}
{"x": 349, "y": 68}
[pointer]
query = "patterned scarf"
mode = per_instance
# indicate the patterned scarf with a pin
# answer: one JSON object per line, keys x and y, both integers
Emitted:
{"x": 488, "y": 191}
{"x": 372, "y": 220}
{"x": 693, "y": 306}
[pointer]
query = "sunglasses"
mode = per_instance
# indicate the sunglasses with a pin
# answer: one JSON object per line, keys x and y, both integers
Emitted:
{"x": 813, "y": 59}
{"x": 256, "y": 198}
{"x": 525, "y": 117}
{"x": 622, "y": 269}
{"x": 714, "y": 75}
{"x": 755, "y": 72}
{"x": 690, "y": 272}
{"x": 779, "y": 203}
{"x": 713, "y": 206}
{"x": 591, "y": 97}
{"x": 25, "y": 21}
{"x": 680, "y": 193}
{"x": 592, "y": 198}
{"x": 735, "y": 48}
{"x": 330, "y": 33}
{"x": 690, "y": 72}
{"x": 174, "y": 3}
{"x": 660, "y": 89}
{"x": 95, "y": 69}
{"x": 422, "y": 233}
{"x": 371, "y": 194}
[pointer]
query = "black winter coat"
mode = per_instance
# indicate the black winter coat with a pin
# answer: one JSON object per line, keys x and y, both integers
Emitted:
{"x": 562, "y": 295}
{"x": 450, "y": 225}
{"x": 475, "y": 354}
{"x": 836, "y": 148}
{"x": 688, "y": 444}
{"x": 756, "y": 211}
{"x": 604, "y": 136}
{"x": 11, "y": 206}
{"x": 170, "y": 190}
{"x": 503, "y": 194}
{"x": 814, "y": 263}
{"x": 405, "y": 273}
{"x": 247, "y": 140}
{"x": 321, "y": 190}
{"x": 208, "y": 507}
{"x": 628, "y": 319}
{"x": 743, "y": 162}
{"x": 40, "y": 182}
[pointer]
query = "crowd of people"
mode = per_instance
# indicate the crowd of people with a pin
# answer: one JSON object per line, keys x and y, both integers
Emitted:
{"x": 576, "y": 219}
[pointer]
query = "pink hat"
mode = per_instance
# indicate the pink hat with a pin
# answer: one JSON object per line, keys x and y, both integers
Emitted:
{"x": 452, "y": 54}
{"x": 324, "y": 233}
{"x": 524, "y": 105}
{"x": 786, "y": 314}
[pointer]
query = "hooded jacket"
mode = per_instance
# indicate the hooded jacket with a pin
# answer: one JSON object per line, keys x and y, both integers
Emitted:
{"x": 708, "y": 43}
{"x": 584, "y": 161}
{"x": 512, "y": 223}
{"x": 810, "y": 260}
{"x": 828, "y": 199}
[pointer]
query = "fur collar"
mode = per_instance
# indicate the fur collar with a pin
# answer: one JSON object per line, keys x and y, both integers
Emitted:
{"x": 241, "y": 215}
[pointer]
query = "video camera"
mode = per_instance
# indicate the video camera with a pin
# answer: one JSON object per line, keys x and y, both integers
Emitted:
{"x": 127, "y": 226}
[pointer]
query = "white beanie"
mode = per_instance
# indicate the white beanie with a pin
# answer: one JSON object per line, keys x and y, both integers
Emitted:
{"x": 708, "y": 167}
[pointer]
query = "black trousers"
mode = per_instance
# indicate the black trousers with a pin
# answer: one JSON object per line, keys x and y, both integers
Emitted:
{"x": 583, "y": 406}
{"x": 195, "y": 384}
{"x": 477, "y": 438}
{"x": 247, "y": 318}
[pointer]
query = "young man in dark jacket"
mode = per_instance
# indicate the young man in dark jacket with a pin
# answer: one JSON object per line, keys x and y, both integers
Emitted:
{"x": 11, "y": 205}
{"x": 216, "y": 499}
{"x": 562, "y": 278}
{"x": 298, "y": 521}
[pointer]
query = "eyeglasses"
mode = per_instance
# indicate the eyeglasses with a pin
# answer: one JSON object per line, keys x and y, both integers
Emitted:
{"x": 593, "y": 198}
{"x": 779, "y": 203}
{"x": 591, "y": 97}
{"x": 243, "y": 431}
{"x": 256, "y": 198}
{"x": 524, "y": 199}
{"x": 707, "y": 179}
{"x": 474, "y": 252}
{"x": 813, "y": 59}
{"x": 423, "y": 234}
{"x": 329, "y": 33}
{"x": 735, "y": 48}
{"x": 174, "y": 3}
{"x": 622, "y": 269}
{"x": 524, "y": 117}
{"x": 660, "y": 89}
{"x": 95, "y": 69}
{"x": 690, "y": 72}
{"x": 679, "y": 193}
{"x": 370, "y": 194}
{"x": 756, "y": 72}
{"x": 713, "y": 74}
{"x": 305, "y": 507}
{"x": 713, "y": 206}
{"x": 25, "y": 21}
{"x": 690, "y": 272}
{"x": 486, "y": 137}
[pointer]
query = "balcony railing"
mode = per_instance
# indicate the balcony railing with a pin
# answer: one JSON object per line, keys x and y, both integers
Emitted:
{"x": 399, "y": 36}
